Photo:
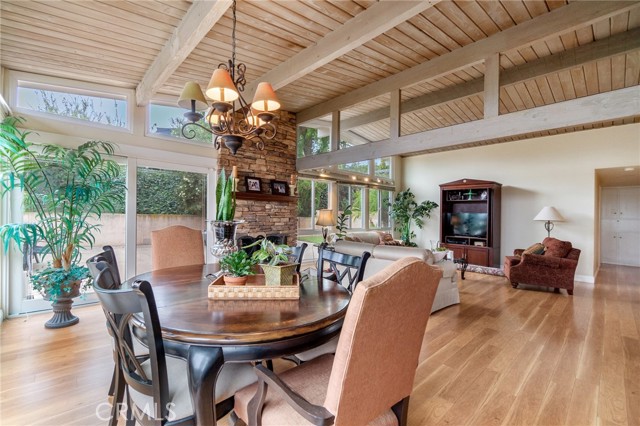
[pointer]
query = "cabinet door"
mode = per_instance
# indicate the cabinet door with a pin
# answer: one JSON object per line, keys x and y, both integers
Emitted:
{"x": 458, "y": 253}
{"x": 629, "y": 203}
{"x": 628, "y": 248}
{"x": 478, "y": 256}
{"x": 609, "y": 242}
{"x": 609, "y": 203}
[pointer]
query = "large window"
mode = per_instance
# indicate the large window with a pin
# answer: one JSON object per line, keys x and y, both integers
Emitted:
{"x": 379, "y": 202}
{"x": 382, "y": 167}
{"x": 312, "y": 141}
{"x": 165, "y": 198}
{"x": 95, "y": 108}
{"x": 167, "y": 121}
{"x": 351, "y": 195}
{"x": 313, "y": 195}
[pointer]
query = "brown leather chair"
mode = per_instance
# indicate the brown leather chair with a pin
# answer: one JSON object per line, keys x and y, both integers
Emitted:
{"x": 555, "y": 268}
{"x": 176, "y": 246}
{"x": 370, "y": 378}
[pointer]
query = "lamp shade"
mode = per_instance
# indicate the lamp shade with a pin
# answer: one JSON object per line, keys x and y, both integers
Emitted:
{"x": 221, "y": 87}
{"x": 192, "y": 91}
{"x": 550, "y": 214}
{"x": 325, "y": 218}
{"x": 265, "y": 98}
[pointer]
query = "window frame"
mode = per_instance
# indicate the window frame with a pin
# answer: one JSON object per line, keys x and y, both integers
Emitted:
{"x": 19, "y": 79}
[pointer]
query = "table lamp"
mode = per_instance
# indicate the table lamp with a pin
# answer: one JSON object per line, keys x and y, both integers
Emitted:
{"x": 549, "y": 215}
{"x": 325, "y": 218}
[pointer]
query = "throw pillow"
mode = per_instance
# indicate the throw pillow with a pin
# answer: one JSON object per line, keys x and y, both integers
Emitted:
{"x": 536, "y": 248}
{"x": 353, "y": 239}
{"x": 394, "y": 243}
{"x": 557, "y": 248}
{"x": 385, "y": 238}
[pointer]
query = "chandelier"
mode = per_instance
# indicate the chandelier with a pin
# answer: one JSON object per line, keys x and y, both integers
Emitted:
{"x": 229, "y": 117}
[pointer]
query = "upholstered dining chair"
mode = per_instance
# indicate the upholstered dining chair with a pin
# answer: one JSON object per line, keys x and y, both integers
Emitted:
{"x": 175, "y": 246}
{"x": 157, "y": 384}
{"x": 370, "y": 378}
{"x": 346, "y": 269}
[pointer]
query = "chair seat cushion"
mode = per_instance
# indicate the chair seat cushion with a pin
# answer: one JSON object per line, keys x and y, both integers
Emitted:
{"x": 232, "y": 377}
{"x": 309, "y": 380}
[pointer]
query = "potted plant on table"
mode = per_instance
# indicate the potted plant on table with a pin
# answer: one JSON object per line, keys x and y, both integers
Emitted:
{"x": 405, "y": 210}
{"x": 224, "y": 227}
{"x": 237, "y": 267}
{"x": 274, "y": 261}
{"x": 67, "y": 190}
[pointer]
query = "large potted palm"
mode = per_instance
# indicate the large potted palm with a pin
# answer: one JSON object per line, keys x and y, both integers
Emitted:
{"x": 68, "y": 190}
{"x": 405, "y": 210}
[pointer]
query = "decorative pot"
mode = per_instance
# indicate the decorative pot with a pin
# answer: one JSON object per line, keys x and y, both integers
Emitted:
{"x": 224, "y": 234}
{"x": 230, "y": 280}
{"x": 279, "y": 274}
{"x": 62, "y": 316}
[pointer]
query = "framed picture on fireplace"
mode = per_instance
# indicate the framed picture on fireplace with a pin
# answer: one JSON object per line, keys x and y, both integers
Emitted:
{"x": 279, "y": 187}
{"x": 253, "y": 184}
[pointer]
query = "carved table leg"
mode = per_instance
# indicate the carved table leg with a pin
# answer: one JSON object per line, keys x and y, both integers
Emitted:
{"x": 205, "y": 363}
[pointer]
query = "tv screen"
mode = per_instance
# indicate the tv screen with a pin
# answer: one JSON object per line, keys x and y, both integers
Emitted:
{"x": 469, "y": 224}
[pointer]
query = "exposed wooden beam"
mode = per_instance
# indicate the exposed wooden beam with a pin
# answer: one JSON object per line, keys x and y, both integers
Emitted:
{"x": 372, "y": 22}
{"x": 334, "y": 140}
{"x": 602, "y": 107}
{"x": 197, "y": 22}
{"x": 558, "y": 21}
{"x": 618, "y": 44}
{"x": 395, "y": 113}
{"x": 492, "y": 85}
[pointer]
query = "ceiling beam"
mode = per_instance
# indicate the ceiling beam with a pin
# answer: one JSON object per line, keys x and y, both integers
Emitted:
{"x": 377, "y": 19}
{"x": 197, "y": 22}
{"x": 607, "y": 106}
{"x": 558, "y": 21}
{"x": 618, "y": 44}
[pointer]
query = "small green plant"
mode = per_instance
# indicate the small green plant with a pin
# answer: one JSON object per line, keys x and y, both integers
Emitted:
{"x": 270, "y": 253}
{"x": 342, "y": 222}
{"x": 238, "y": 264}
{"x": 441, "y": 249}
{"x": 405, "y": 210}
{"x": 225, "y": 197}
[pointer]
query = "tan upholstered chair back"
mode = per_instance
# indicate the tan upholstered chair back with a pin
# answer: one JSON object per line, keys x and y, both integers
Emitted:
{"x": 380, "y": 341}
{"x": 176, "y": 246}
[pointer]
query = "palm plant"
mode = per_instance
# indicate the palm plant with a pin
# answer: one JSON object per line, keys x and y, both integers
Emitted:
{"x": 405, "y": 210}
{"x": 67, "y": 189}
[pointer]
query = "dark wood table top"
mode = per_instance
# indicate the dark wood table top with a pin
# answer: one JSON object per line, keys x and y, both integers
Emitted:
{"x": 188, "y": 315}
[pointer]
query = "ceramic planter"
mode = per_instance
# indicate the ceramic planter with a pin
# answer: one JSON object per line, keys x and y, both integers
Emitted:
{"x": 62, "y": 316}
{"x": 230, "y": 280}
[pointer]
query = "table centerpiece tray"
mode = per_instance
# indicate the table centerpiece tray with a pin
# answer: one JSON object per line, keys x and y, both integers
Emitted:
{"x": 255, "y": 289}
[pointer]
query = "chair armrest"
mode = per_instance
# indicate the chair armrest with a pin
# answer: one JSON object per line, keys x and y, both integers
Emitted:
{"x": 548, "y": 261}
{"x": 316, "y": 414}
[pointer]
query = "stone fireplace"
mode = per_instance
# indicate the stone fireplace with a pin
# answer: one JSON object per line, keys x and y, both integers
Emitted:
{"x": 266, "y": 213}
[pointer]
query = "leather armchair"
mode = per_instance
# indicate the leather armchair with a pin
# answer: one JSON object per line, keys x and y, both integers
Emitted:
{"x": 549, "y": 270}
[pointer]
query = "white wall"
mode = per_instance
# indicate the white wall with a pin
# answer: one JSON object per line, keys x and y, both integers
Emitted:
{"x": 554, "y": 171}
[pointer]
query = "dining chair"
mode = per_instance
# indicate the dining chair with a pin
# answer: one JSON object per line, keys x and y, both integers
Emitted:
{"x": 109, "y": 256}
{"x": 370, "y": 378}
{"x": 157, "y": 384}
{"x": 348, "y": 270}
{"x": 296, "y": 255}
{"x": 175, "y": 246}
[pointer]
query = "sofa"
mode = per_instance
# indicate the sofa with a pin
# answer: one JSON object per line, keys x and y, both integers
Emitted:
{"x": 383, "y": 255}
{"x": 555, "y": 267}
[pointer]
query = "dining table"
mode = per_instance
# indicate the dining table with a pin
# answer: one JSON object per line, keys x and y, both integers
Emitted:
{"x": 209, "y": 333}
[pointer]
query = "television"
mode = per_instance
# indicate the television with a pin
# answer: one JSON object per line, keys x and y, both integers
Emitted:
{"x": 468, "y": 224}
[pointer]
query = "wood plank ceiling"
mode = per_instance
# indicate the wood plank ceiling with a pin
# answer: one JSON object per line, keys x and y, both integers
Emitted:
{"x": 115, "y": 42}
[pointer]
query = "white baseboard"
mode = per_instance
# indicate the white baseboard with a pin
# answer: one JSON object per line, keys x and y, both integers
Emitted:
{"x": 585, "y": 279}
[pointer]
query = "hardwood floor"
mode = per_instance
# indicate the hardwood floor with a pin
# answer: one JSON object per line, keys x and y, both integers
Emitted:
{"x": 503, "y": 356}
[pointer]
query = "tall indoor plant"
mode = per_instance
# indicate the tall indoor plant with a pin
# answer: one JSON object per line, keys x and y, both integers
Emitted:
{"x": 405, "y": 210}
{"x": 67, "y": 189}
